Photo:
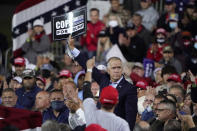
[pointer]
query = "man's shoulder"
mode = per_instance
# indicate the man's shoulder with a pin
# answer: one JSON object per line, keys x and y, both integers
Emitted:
{"x": 88, "y": 101}
{"x": 19, "y": 91}
{"x": 126, "y": 84}
{"x": 47, "y": 111}
{"x": 121, "y": 122}
{"x": 37, "y": 89}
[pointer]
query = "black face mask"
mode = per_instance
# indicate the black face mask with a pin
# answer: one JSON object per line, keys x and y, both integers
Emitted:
{"x": 46, "y": 73}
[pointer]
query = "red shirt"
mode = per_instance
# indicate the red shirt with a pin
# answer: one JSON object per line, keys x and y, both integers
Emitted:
{"x": 91, "y": 38}
{"x": 157, "y": 55}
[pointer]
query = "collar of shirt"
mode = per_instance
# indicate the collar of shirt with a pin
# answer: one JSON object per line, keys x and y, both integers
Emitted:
{"x": 115, "y": 84}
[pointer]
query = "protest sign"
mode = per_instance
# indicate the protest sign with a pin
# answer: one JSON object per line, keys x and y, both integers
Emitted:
{"x": 148, "y": 67}
{"x": 73, "y": 23}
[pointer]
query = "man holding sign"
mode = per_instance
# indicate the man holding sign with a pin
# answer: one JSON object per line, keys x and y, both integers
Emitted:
{"x": 127, "y": 106}
{"x": 73, "y": 23}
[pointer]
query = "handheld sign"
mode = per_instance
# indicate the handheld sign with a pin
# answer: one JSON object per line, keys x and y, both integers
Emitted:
{"x": 148, "y": 67}
{"x": 73, "y": 22}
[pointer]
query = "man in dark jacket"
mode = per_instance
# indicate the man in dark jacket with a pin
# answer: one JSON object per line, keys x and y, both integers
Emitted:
{"x": 131, "y": 45}
{"x": 127, "y": 106}
{"x": 27, "y": 94}
{"x": 58, "y": 110}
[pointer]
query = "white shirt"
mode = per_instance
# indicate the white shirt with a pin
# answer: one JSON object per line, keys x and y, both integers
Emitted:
{"x": 115, "y": 84}
{"x": 149, "y": 17}
{"x": 107, "y": 120}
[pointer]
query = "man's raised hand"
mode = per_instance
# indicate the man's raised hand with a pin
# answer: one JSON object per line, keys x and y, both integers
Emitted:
{"x": 71, "y": 42}
{"x": 90, "y": 63}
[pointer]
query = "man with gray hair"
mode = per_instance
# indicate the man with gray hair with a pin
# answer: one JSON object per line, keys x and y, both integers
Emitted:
{"x": 165, "y": 111}
{"x": 142, "y": 126}
{"x": 127, "y": 106}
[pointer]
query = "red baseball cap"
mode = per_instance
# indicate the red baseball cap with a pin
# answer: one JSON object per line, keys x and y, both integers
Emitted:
{"x": 109, "y": 95}
{"x": 19, "y": 61}
{"x": 43, "y": 80}
{"x": 142, "y": 84}
{"x": 65, "y": 73}
{"x": 174, "y": 77}
{"x": 161, "y": 31}
{"x": 94, "y": 127}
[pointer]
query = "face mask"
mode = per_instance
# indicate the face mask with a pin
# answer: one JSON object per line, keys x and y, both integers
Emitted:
{"x": 160, "y": 40}
{"x": 46, "y": 73}
{"x": 173, "y": 25}
{"x": 186, "y": 42}
{"x": 57, "y": 105}
{"x": 195, "y": 45}
{"x": 113, "y": 23}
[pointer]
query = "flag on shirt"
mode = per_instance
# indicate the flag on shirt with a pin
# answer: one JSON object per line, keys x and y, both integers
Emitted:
{"x": 22, "y": 119}
{"x": 30, "y": 10}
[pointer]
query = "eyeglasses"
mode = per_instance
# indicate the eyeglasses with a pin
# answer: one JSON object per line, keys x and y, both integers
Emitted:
{"x": 160, "y": 110}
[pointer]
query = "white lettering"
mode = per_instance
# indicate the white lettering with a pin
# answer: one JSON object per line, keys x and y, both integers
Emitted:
{"x": 57, "y": 25}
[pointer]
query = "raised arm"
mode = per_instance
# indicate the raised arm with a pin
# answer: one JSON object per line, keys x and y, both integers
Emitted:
{"x": 82, "y": 59}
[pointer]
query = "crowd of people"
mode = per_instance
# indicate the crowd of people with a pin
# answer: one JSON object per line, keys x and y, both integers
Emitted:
{"x": 86, "y": 91}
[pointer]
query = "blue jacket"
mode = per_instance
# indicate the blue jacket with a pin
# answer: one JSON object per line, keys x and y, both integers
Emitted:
{"x": 26, "y": 100}
{"x": 127, "y": 106}
{"x": 62, "y": 117}
{"x": 147, "y": 115}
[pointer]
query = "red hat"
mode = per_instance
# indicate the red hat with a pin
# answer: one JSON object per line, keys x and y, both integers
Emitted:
{"x": 142, "y": 84}
{"x": 174, "y": 77}
{"x": 161, "y": 31}
{"x": 94, "y": 127}
{"x": 43, "y": 80}
{"x": 65, "y": 73}
{"x": 109, "y": 95}
{"x": 19, "y": 61}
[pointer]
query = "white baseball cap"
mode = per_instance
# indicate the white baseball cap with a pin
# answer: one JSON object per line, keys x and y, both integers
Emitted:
{"x": 38, "y": 22}
{"x": 18, "y": 79}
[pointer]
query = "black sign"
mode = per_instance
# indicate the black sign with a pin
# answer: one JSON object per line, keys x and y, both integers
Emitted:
{"x": 73, "y": 22}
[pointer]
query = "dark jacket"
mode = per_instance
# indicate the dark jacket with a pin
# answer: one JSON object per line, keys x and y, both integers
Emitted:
{"x": 157, "y": 126}
{"x": 135, "y": 52}
{"x": 116, "y": 31}
{"x": 173, "y": 62}
{"x": 127, "y": 106}
{"x": 25, "y": 99}
{"x": 145, "y": 35}
{"x": 194, "y": 94}
{"x": 62, "y": 117}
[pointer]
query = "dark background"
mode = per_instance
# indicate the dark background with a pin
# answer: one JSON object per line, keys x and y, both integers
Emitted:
{"x": 7, "y": 8}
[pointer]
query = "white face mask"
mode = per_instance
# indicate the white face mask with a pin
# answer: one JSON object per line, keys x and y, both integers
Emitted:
{"x": 173, "y": 25}
{"x": 113, "y": 23}
{"x": 160, "y": 40}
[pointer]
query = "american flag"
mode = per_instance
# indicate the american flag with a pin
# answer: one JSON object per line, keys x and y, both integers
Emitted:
{"x": 30, "y": 10}
{"x": 22, "y": 119}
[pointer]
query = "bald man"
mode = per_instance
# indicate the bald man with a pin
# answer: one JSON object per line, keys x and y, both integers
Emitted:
{"x": 42, "y": 101}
